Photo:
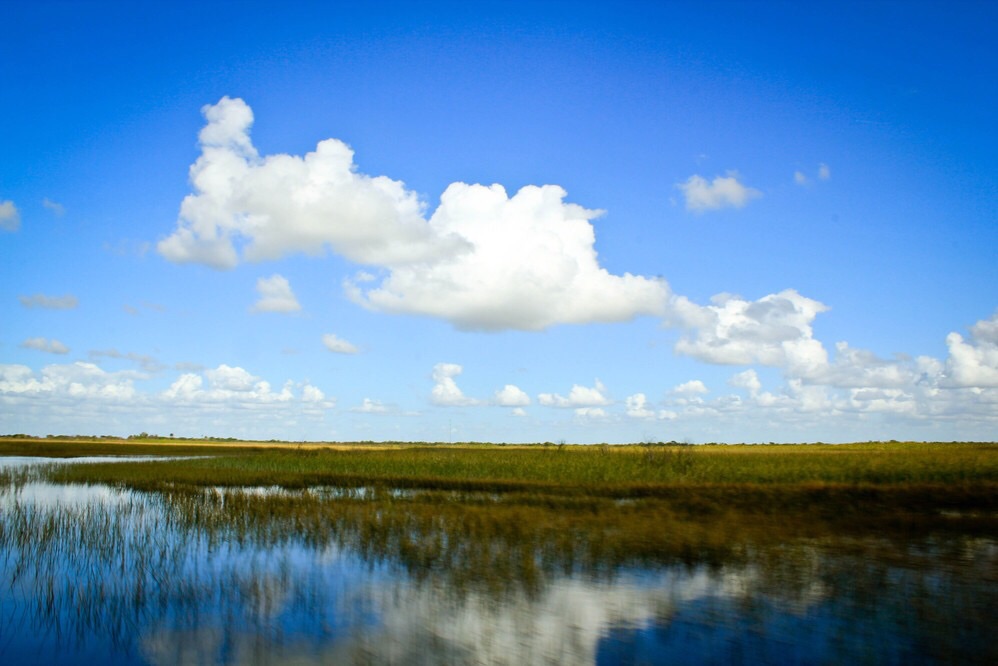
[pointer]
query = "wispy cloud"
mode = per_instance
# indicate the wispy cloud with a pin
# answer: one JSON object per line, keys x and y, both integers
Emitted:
{"x": 57, "y": 208}
{"x": 67, "y": 302}
{"x": 147, "y": 363}
{"x": 338, "y": 345}
{"x": 45, "y": 345}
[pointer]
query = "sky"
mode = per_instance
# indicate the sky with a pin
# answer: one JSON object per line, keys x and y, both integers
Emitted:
{"x": 579, "y": 222}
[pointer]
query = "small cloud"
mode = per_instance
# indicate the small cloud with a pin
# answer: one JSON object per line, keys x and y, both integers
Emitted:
{"x": 747, "y": 380}
{"x": 338, "y": 345}
{"x": 691, "y": 388}
{"x": 67, "y": 302}
{"x": 132, "y": 310}
{"x": 579, "y": 396}
{"x": 275, "y": 295}
{"x": 511, "y": 396}
{"x": 311, "y": 393}
{"x": 590, "y": 412}
{"x": 370, "y": 407}
{"x": 10, "y": 218}
{"x": 722, "y": 192}
{"x": 45, "y": 345}
{"x": 824, "y": 173}
{"x": 519, "y": 411}
{"x": 57, "y": 208}
{"x": 445, "y": 390}
{"x": 637, "y": 408}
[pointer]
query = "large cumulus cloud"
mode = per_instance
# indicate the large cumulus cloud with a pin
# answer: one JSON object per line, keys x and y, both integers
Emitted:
{"x": 483, "y": 260}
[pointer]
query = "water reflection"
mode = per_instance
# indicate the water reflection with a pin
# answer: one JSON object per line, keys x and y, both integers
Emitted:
{"x": 112, "y": 576}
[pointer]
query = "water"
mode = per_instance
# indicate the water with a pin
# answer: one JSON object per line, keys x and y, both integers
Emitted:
{"x": 98, "y": 575}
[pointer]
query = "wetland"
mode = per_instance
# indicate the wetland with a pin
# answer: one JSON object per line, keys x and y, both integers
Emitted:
{"x": 485, "y": 554}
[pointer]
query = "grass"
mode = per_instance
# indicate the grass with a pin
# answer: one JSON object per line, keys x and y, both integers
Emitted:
{"x": 626, "y": 471}
{"x": 899, "y": 481}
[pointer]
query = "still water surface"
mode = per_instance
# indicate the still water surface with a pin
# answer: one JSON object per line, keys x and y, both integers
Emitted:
{"x": 93, "y": 574}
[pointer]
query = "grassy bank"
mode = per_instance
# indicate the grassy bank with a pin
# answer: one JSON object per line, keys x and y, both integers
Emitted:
{"x": 954, "y": 475}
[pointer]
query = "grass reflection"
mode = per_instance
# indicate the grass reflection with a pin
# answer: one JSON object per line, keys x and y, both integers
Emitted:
{"x": 233, "y": 559}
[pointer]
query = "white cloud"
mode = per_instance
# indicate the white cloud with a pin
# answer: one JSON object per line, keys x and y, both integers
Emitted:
{"x": 800, "y": 178}
{"x": 10, "y": 218}
{"x": 282, "y": 204}
{"x": 57, "y": 208}
{"x": 579, "y": 396}
{"x": 445, "y": 390}
{"x": 45, "y": 345}
{"x": 338, "y": 345}
{"x": 67, "y": 302}
{"x": 691, "y": 388}
{"x": 824, "y": 173}
{"x": 371, "y": 407}
{"x": 774, "y": 330}
{"x": 482, "y": 261}
{"x": 859, "y": 368}
{"x": 722, "y": 192}
{"x": 531, "y": 264}
{"x": 76, "y": 380}
{"x": 590, "y": 412}
{"x": 311, "y": 393}
{"x": 511, "y": 396}
{"x": 747, "y": 380}
{"x": 638, "y": 408}
{"x": 275, "y": 295}
{"x": 519, "y": 411}
{"x": 227, "y": 384}
{"x": 974, "y": 363}
{"x": 227, "y": 378}
{"x": 83, "y": 398}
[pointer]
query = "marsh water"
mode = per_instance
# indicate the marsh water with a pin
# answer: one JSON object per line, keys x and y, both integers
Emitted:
{"x": 92, "y": 574}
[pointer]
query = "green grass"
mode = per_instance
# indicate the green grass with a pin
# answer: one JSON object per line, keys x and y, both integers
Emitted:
{"x": 905, "y": 474}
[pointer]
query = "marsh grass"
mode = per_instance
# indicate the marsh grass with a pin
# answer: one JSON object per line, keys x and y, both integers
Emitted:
{"x": 911, "y": 477}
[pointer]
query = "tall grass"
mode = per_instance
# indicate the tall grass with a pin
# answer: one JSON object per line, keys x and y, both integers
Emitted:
{"x": 958, "y": 470}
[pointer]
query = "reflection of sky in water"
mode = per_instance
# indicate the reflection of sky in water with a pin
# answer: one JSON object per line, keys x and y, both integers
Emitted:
{"x": 50, "y": 495}
{"x": 16, "y": 462}
{"x": 150, "y": 590}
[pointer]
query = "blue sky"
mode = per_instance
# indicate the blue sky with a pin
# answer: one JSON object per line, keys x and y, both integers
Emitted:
{"x": 629, "y": 222}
